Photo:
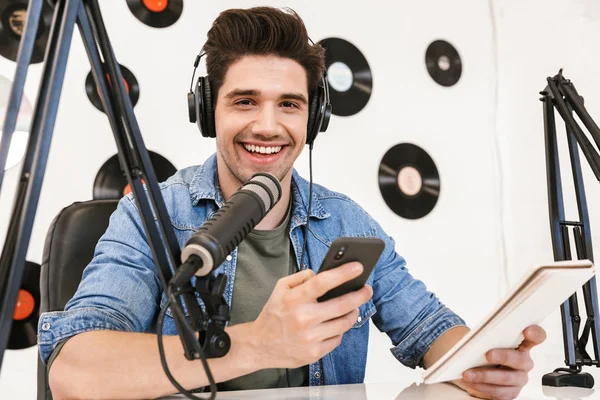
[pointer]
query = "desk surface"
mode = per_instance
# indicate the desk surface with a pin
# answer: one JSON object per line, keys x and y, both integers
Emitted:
{"x": 407, "y": 389}
{"x": 391, "y": 391}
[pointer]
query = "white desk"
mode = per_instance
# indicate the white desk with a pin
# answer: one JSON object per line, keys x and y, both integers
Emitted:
{"x": 387, "y": 391}
{"x": 406, "y": 389}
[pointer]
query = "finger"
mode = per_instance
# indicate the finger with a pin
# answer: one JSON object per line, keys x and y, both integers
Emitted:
{"x": 496, "y": 376}
{"x": 488, "y": 391}
{"x": 327, "y": 280}
{"x": 514, "y": 359}
{"x": 334, "y": 327}
{"x": 534, "y": 335}
{"x": 297, "y": 279}
{"x": 341, "y": 305}
{"x": 328, "y": 345}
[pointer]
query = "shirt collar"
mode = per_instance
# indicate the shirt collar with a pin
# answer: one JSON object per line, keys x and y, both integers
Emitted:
{"x": 205, "y": 185}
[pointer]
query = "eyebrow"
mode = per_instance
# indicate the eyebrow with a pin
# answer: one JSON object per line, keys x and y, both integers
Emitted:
{"x": 254, "y": 92}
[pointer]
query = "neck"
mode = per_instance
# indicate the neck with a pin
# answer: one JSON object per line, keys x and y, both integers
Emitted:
{"x": 229, "y": 185}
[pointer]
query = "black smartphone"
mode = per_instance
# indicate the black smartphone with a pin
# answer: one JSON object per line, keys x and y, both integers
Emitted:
{"x": 365, "y": 250}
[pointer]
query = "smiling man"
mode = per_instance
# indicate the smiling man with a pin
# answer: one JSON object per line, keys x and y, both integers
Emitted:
{"x": 262, "y": 72}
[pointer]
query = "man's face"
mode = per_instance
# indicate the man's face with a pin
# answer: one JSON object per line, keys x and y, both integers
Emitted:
{"x": 261, "y": 116}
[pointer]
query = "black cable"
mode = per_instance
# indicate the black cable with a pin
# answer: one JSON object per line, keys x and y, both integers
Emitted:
{"x": 569, "y": 370}
{"x": 287, "y": 377}
{"x": 161, "y": 350}
{"x": 305, "y": 244}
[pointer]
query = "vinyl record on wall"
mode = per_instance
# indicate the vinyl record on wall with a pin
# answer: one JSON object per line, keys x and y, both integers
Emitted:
{"x": 23, "y": 333}
{"x": 13, "y": 14}
{"x": 131, "y": 86}
{"x": 111, "y": 183}
{"x": 156, "y": 13}
{"x": 409, "y": 181}
{"x": 349, "y": 76}
{"x": 443, "y": 63}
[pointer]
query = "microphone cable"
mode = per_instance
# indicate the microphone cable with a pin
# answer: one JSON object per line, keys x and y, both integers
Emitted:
{"x": 171, "y": 299}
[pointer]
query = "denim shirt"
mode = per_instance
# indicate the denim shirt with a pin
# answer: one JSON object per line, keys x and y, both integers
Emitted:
{"x": 121, "y": 290}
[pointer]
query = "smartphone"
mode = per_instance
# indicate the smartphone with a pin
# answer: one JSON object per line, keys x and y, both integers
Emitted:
{"x": 365, "y": 250}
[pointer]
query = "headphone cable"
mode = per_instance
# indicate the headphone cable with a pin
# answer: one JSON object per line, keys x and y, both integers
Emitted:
{"x": 305, "y": 244}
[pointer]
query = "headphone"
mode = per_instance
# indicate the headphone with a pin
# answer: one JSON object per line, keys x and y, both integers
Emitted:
{"x": 201, "y": 107}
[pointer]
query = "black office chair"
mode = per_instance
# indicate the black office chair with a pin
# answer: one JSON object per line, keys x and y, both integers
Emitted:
{"x": 68, "y": 249}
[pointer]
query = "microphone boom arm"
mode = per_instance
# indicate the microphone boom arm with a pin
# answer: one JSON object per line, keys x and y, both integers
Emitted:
{"x": 132, "y": 154}
{"x": 561, "y": 94}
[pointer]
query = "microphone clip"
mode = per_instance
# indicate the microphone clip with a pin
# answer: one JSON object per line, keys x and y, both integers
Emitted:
{"x": 213, "y": 339}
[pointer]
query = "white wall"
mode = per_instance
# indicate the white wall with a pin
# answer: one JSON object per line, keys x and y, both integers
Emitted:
{"x": 485, "y": 134}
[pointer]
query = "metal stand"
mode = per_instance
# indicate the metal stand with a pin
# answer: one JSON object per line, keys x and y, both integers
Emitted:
{"x": 133, "y": 157}
{"x": 561, "y": 93}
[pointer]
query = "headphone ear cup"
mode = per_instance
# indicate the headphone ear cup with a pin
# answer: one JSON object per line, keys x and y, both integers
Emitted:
{"x": 208, "y": 110}
{"x": 191, "y": 100}
{"x": 313, "y": 111}
{"x": 200, "y": 107}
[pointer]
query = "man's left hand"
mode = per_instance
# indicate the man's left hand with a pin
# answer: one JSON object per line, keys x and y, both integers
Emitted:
{"x": 506, "y": 380}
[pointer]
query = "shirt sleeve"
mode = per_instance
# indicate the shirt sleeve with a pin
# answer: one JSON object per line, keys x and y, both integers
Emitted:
{"x": 119, "y": 290}
{"x": 407, "y": 312}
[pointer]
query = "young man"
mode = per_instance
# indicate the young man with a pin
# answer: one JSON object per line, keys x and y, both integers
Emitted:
{"x": 262, "y": 70}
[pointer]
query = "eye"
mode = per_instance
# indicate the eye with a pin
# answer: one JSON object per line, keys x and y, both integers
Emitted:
{"x": 244, "y": 102}
{"x": 289, "y": 104}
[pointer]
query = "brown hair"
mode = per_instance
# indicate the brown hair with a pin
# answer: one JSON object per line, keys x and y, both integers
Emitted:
{"x": 260, "y": 31}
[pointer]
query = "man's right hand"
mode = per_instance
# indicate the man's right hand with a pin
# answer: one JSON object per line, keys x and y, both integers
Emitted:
{"x": 293, "y": 329}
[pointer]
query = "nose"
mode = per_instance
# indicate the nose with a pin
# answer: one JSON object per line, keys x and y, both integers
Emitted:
{"x": 266, "y": 122}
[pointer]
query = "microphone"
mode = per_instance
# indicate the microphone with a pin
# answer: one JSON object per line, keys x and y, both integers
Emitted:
{"x": 225, "y": 230}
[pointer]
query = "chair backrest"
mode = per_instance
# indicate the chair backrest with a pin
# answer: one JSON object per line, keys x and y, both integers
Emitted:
{"x": 68, "y": 249}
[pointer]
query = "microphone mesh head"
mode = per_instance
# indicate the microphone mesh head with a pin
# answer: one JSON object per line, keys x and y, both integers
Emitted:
{"x": 272, "y": 183}
{"x": 261, "y": 192}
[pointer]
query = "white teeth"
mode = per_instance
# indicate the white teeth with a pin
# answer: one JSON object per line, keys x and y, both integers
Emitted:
{"x": 261, "y": 149}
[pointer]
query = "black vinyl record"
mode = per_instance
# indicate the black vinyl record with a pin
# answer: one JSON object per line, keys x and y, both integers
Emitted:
{"x": 131, "y": 86}
{"x": 156, "y": 13}
{"x": 110, "y": 181}
{"x": 23, "y": 333}
{"x": 409, "y": 181}
{"x": 349, "y": 76}
{"x": 443, "y": 63}
{"x": 13, "y": 14}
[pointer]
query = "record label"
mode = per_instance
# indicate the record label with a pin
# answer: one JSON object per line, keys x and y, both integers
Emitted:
{"x": 348, "y": 75}
{"x": 23, "y": 332}
{"x": 443, "y": 63}
{"x": 339, "y": 76}
{"x": 131, "y": 86}
{"x": 156, "y": 13}
{"x": 13, "y": 15}
{"x": 409, "y": 181}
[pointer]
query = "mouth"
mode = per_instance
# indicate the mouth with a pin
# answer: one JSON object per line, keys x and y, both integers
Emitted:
{"x": 262, "y": 155}
{"x": 255, "y": 149}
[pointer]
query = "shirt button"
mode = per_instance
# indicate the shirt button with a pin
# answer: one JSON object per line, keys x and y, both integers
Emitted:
{"x": 317, "y": 374}
{"x": 229, "y": 258}
{"x": 359, "y": 318}
{"x": 45, "y": 326}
